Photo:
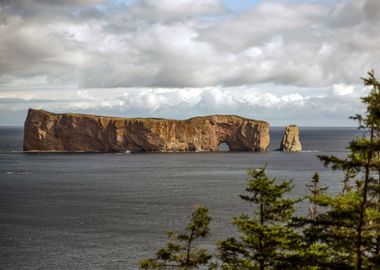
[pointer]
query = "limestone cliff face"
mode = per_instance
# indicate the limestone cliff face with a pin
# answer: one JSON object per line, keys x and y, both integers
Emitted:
{"x": 291, "y": 142}
{"x": 45, "y": 131}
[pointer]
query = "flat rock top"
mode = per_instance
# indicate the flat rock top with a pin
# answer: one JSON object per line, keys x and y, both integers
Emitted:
{"x": 215, "y": 117}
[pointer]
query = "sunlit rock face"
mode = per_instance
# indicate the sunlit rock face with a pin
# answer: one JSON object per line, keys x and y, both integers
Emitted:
{"x": 291, "y": 142}
{"x": 45, "y": 131}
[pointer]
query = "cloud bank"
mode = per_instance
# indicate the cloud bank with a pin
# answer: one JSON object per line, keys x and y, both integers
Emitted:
{"x": 299, "y": 60}
{"x": 332, "y": 105}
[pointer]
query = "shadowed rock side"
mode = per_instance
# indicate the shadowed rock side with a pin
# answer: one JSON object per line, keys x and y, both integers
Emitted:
{"x": 45, "y": 131}
{"x": 291, "y": 142}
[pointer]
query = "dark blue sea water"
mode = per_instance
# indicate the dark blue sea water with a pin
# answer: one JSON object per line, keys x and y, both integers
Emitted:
{"x": 107, "y": 211}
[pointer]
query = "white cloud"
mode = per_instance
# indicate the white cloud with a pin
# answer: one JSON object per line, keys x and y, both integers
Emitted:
{"x": 174, "y": 44}
{"x": 342, "y": 89}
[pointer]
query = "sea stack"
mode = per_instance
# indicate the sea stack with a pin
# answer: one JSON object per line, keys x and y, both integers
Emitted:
{"x": 46, "y": 131}
{"x": 291, "y": 142}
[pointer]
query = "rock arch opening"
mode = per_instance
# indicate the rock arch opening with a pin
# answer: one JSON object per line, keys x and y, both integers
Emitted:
{"x": 223, "y": 147}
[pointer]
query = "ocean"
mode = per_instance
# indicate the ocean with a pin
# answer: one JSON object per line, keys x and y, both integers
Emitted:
{"x": 108, "y": 211}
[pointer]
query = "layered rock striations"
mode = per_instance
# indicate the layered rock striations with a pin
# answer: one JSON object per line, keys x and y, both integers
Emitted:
{"x": 291, "y": 142}
{"x": 45, "y": 131}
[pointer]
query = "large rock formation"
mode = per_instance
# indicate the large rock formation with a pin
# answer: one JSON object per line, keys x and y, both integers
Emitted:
{"x": 45, "y": 131}
{"x": 291, "y": 142}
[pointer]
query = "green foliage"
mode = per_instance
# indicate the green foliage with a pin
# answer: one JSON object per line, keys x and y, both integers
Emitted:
{"x": 265, "y": 239}
{"x": 180, "y": 252}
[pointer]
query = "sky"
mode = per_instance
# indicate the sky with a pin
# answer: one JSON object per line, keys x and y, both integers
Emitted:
{"x": 283, "y": 61}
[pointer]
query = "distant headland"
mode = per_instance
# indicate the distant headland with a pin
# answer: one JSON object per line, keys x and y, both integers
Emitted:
{"x": 46, "y": 131}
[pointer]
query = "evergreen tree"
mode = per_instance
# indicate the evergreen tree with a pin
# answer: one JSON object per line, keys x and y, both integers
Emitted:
{"x": 181, "y": 252}
{"x": 313, "y": 254}
{"x": 334, "y": 229}
{"x": 265, "y": 239}
{"x": 350, "y": 223}
{"x": 316, "y": 191}
{"x": 368, "y": 149}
